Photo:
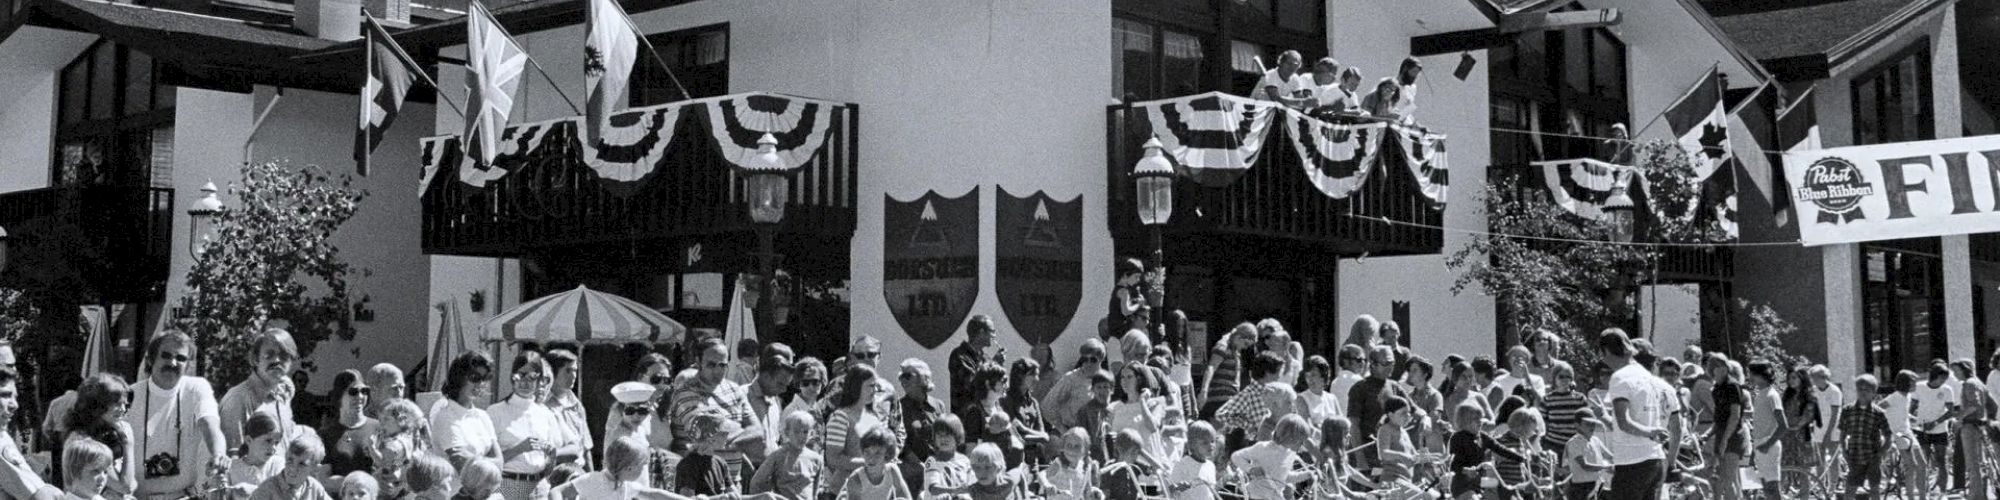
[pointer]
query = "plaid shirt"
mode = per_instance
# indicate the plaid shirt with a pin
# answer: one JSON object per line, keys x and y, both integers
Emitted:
{"x": 1254, "y": 405}
{"x": 1863, "y": 425}
{"x": 727, "y": 397}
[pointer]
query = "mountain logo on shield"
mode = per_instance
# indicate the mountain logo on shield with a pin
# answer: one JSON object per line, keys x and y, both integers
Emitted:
{"x": 930, "y": 263}
{"x": 1038, "y": 262}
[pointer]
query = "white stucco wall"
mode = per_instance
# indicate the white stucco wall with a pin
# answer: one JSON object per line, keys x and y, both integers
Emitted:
{"x": 33, "y": 57}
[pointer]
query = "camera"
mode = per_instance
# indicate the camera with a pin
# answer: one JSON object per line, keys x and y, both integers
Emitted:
{"x": 162, "y": 465}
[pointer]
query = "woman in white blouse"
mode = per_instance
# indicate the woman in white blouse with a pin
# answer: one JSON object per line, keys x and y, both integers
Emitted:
{"x": 461, "y": 430}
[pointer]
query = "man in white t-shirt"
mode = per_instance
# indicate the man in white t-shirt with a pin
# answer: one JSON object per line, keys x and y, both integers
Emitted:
{"x": 1285, "y": 84}
{"x": 1830, "y": 401}
{"x": 1932, "y": 405}
{"x": 175, "y": 422}
{"x": 1642, "y": 406}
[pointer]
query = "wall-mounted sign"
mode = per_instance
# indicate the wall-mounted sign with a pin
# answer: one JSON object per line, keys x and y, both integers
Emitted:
{"x": 930, "y": 263}
{"x": 1901, "y": 190}
{"x": 1038, "y": 262}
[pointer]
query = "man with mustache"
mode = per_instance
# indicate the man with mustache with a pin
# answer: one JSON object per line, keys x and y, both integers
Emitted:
{"x": 17, "y": 478}
{"x": 269, "y": 387}
{"x": 175, "y": 422}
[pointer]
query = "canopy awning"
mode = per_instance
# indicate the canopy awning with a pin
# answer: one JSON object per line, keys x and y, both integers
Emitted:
{"x": 582, "y": 316}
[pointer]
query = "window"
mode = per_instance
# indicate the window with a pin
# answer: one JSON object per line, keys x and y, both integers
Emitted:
{"x": 1902, "y": 305}
{"x": 1892, "y": 103}
{"x": 698, "y": 57}
{"x": 114, "y": 121}
{"x": 1560, "y": 82}
{"x": 1153, "y": 62}
{"x": 1171, "y": 48}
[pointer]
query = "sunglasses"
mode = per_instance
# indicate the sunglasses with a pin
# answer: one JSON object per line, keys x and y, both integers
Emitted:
{"x": 633, "y": 411}
{"x": 659, "y": 379}
{"x": 168, "y": 356}
{"x": 1090, "y": 359}
{"x": 811, "y": 382}
{"x": 867, "y": 355}
{"x": 359, "y": 391}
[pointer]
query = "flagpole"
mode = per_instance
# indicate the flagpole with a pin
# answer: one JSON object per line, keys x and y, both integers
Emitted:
{"x": 1717, "y": 67}
{"x": 368, "y": 98}
{"x": 412, "y": 62}
{"x": 530, "y": 58}
{"x": 650, "y": 49}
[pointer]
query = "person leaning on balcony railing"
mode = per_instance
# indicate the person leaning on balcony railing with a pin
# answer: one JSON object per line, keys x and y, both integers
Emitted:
{"x": 1382, "y": 102}
{"x": 1405, "y": 105}
{"x": 1285, "y": 84}
{"x": 1330, "y": 94}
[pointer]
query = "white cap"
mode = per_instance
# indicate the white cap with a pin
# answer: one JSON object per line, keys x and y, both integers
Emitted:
{"x": 632, "y": 392}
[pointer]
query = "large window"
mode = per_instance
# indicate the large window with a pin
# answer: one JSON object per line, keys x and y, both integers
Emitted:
{"x": 115, "y": 121}
{"x": 1169, "y": 48}
{"x": 1564, "y": 83}
{"x": 1892, "y": 103}
{"x": 1902, "y": 305}
{"x": 698, "y": 57}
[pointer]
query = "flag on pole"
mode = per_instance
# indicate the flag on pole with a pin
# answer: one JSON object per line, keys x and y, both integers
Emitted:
{"x": 610, "y": 49}
{"x": 1798, "y": 130}
{"x": 493, "y": 67}
{"x": 390, "y": 76}
{"x": 1700, "y": 126}
{"x": 1750, "y": 127}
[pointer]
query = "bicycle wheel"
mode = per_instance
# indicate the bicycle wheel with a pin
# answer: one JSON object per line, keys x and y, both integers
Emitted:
{"x": 1800, "y": 482}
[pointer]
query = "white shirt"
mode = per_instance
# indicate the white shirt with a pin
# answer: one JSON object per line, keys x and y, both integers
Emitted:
{"x": 1931, "y": 404}
{"x": 454, "y": 426}
{"x": 1333, "y": 95}
{"x": 1993, "y": 378}
{"x": 1897, "y": 408}
{"x": 1649, "y": 400}
{"x": 1320, "y": 407}
{"x": 1830, "y": 401}
{"x": 1199, "y": 474}
{"x": 167, "y": 421}
{"x": 1275, "y": 462}
{"x": 517, "y": 419}
{"x": 1343, "y": 384}
{"x": 1506, "y": 384}
{"x": 1287, "y": 87}
{"x": 1406, "y": 104}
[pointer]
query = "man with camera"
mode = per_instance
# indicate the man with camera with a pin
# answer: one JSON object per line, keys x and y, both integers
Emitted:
{"x": 174, "y": 422}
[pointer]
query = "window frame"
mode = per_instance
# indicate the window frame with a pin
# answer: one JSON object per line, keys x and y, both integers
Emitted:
{"x": 1547, "y": 85}
{"x": 1217, "y": 25}
{"x": 1885, "y": 352}
{"x": 1887, "y": 73}
{"x": 123, "y": 121}
{"x": 649, "y": 69}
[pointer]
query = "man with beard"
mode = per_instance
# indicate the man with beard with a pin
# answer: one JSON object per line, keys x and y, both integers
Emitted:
{"x": 17, "y": 478}
{"x": 269, "y": 387}
{"x": 175, "y": 421}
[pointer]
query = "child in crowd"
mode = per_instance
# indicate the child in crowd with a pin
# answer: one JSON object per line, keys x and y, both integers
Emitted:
{"x": 402, "y": 421}
{"x": 296, "y": 482}
{"x": 430, "y": 477}
{"x": 256, "y": 460}
{"x": 1001, "y": 431}
{"x": 946, "y": 472}
{"x": 1564, "y": 404}
{"x": 1524, "y": 429}
{"x": 1095, "y": 415}
{"x": 1903, "y": 437}
{"x": 794, "y": 470}
{"x": 1268, "y": 466}
{"x": 989, "y": 469}
{"x": 1866, "y": 431}
{"x": 1193, "y": 476}
{"x": 1587, "y": 457}
{"x": 1334, "y": 471}
{"x": 1123, "y": 479}
{"x": 87, "y": 469}
{"x": 1470, "y": 468}
{"x": 392, "y": 457}
{"x": 479, "y": 481}
{"x": 878, "y": 479}
{"x": 701, "y": 472}
{"x": 1070, "y": 476}
{"x": 359, "y": 485}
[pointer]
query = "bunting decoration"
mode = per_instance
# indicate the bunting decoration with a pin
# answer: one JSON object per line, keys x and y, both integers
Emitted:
{"x": 1423, "y": 152}
{"x": 631, "y": 144}
{"x": 800, "y": 125}
{"x": 1214, "y": 137}
{"x": 1336, "y": 156}
{"x": 1581, "y": 186}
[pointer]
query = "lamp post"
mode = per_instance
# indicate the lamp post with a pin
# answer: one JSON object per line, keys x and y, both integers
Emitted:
{"x": 1620, "y": 218}
{"x": 1153, "y": 190}
{"x": 4, "y": 243}
{"x": 198, "y": 216}
{"x": 769, "y": 189}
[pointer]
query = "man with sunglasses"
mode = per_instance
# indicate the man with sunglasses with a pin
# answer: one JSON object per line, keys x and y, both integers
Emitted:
{"x": 966, "y": 358}
{"x": 710, "y": 390}
{"x": 1365, "y": 401}
{"x": 1072, "y": 390}
{"x": 175, "y": 422}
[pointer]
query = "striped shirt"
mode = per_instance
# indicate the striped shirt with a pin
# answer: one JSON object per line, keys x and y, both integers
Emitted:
{"x": 1564, "y": 412}
{"x": 1223, "y": 384}
{"x": 1512, "y": 471}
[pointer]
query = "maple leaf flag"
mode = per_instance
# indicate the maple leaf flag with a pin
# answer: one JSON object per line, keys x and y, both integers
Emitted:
{"x": 1700, "y": 125}
{"x": 610, "y": 49}
{"x": 390, "y": 76}
{"x": 493, "y": 68}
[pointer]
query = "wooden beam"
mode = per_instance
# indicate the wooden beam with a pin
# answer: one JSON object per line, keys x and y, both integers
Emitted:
{"x": 1540, "y": 21}
{"x": 1459, "y": 41}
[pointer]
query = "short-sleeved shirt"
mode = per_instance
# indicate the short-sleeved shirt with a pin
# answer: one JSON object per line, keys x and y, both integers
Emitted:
{"x": 1930, "y": 404}
{"x": 794, "y": 474}
{"x": 275, "y": 489}
{"x": 727, "y": 397}
{"x": 1273, "y": 460}
{"x": 517, "y": 419}
{"x": 242, "y": 400}
{"x": 1829, "y": 400}
{"x": 17, "y": 479}
{"x": 1764, "y": 408}
{"x": 1862, "y": 422}
{"x": 167, "y": 421}
{"x": 1650, "y": 400}
{"x": 1896, "y": 408}
{"x": 703, "y": 474}
{"x": 455, "y": 426}
{"x": 955, "y": 472}
{"x": 1728, "y": 399}
{"x": 1287, "y": 87}
{"x": 1589, "y": 450}
{"x": 1565, "y": 412}
{"x": 1227, "y": 363}
{"x": 1199, "y": 475}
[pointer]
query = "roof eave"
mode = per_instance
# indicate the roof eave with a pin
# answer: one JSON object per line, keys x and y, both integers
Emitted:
{"x": 1880, "y": 32}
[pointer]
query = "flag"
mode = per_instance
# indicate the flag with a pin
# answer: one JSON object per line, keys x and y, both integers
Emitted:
{"x": 1700, "y": 126}
{"x": 610, "y": 48}
{"x": 390, "y": 76}
{"x": 1798, "y": 130}
{"x": 1750, "y": 128}
{"x": 493, "y": 68}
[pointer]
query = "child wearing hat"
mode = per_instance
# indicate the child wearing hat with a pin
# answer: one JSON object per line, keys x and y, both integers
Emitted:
{"x": 1586, "y": 456}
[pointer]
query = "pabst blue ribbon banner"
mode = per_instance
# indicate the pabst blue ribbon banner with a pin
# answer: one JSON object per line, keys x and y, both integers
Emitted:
{"x": 1892, "y": 191}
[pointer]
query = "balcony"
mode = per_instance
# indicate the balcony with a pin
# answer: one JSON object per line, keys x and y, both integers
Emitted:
{"x": 550, "y": 199}
{"x": 117, "y": 240}
{"x": 1677, "y": 264}
{"x": 1273, "y": 208}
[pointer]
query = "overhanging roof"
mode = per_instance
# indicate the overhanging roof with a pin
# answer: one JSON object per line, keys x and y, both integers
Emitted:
{"x": 1805, "y": 42}
{"x": 519, "y": 19}
{"x": 213, "y": 50}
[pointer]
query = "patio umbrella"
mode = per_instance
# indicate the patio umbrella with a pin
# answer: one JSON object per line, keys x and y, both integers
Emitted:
{"x": 448, "y": 343}
{"x": 582, "y": 316}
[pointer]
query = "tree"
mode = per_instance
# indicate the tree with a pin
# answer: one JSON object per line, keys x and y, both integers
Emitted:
{"x": 1551, "y": 270}
{"x": 271, "y": 259}
{"x": 1768, "y": 332}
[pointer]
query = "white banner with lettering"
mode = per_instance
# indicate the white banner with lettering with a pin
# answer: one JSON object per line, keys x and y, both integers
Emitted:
{"x": 1901, "y": 190}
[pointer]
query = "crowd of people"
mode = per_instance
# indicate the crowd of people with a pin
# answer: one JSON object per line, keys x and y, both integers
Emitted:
{"x": 1258, "y": 418}
{"x": 1329, "y": 90}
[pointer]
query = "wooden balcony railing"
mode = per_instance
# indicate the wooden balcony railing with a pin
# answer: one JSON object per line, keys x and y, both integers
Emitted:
{"x": 551, "y": 199}
{"x": 1275, "y": 201}
{"x": 1677, "y": 264}
{"x": 118, "y": 239}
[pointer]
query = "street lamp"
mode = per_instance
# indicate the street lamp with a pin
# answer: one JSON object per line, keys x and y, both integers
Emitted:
{"x": 1153, "y": 188}
{"x": 4, "y": 243}
{"x": 769, "y": 189}
{"x": 199, "y": 214}
{"x": 1620, "y": 219}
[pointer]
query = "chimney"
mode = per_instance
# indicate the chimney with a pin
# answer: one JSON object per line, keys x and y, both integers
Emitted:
{"x": 336, "y": 20}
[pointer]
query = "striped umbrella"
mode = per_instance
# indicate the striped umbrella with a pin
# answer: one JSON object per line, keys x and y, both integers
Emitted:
{"x": 583, "y": 316}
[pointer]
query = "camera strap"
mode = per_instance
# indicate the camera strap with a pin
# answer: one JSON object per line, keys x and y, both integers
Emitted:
{"x": 146, "y": 431}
